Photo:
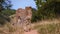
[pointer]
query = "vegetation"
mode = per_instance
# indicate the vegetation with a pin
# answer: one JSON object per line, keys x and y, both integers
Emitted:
{"x": 47, "y": 9}
{"x": 48, "y": 28}
{"x": 5, "y": 11}
{"x": 5, "y": 4}
{"x": 7, "y": 29}
{"x": 4, "y": 15}
{"x": 34, "y": 15}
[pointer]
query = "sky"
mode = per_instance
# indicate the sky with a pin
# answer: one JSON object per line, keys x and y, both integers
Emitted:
{"x": 22, "y": 3}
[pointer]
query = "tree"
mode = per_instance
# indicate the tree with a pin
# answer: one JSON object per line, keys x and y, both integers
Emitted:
{"x": 34, "y": 14}
{"x": 5, "y": 4}
{"x": 47, "y": 8}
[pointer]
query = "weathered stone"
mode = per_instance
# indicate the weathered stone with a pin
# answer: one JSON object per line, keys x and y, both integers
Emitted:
{"x": 22, "y": 17}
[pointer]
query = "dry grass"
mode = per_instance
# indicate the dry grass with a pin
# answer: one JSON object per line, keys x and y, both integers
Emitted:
{"x": 43, "y": 27}
{"x": 10, "y": 29}
{"x": 48, "y": 27}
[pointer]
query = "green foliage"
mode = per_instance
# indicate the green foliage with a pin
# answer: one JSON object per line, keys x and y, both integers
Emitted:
{"x": 5, "y": 4}
{"x": 34, "y": 18}
{"x": 4, "y": 16}
{"x": 8, "y": 12}
{"x": 34, "y": 15}
{"x": 5, "y": 11}
{"x": 47, "y": 9}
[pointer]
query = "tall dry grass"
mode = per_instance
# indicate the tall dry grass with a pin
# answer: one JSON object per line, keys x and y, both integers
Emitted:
{"x": 48, "y": 26}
